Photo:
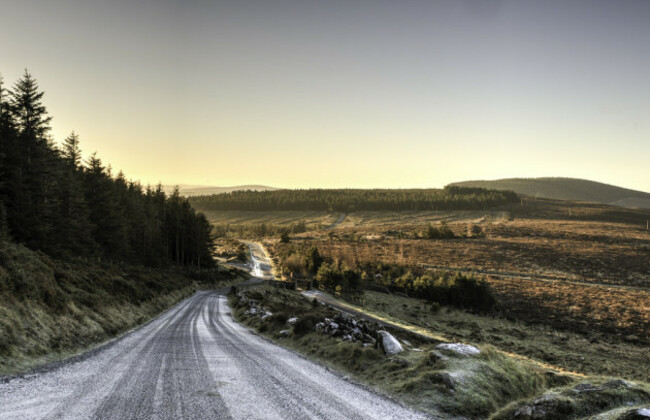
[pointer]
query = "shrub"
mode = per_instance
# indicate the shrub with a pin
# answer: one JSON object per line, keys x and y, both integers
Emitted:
{"x": 279, "y": 318}
{"x": 441, "y": 232}
{"x": 475, "y": 231}
{"x": 306, "y": 323}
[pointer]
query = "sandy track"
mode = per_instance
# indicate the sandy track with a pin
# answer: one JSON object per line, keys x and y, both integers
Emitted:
{"x": 338, "y": 221}
{"x": 193, "y": 362}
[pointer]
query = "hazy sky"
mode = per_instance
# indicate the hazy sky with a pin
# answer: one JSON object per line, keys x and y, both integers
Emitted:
{"x": 343, "y": 93}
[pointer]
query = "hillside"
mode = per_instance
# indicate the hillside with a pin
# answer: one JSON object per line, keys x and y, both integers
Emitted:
{"x": 567, "y": 189}
{"x": 51, "y": 309}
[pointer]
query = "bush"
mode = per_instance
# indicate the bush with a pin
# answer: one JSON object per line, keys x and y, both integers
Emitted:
{"x": 279, "y": 318}
{"x": 475, "y": 231}
{"x": 441, "y": 232}
{"x": 458, "y": 290}
{"x": 306, "y": 323}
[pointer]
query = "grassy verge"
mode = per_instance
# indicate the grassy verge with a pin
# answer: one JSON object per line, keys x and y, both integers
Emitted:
{"x": 444, "y": 384}
{"x": 591, "y": 353}
{"x": 50, "y": 310}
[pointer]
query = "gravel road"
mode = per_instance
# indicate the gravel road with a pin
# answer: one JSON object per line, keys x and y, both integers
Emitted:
{"x": 192, "y": 362}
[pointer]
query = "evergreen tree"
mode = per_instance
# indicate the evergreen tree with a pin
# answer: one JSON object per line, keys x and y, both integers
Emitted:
{"x": 34, "y": 181}
{"x": 53, "y": 202}
{"x": 104, "y": 211}
{"x": 6, "y": 143}
{"x": 71, "y": 151}
{"x": 30, "y": 114}
{"x": 74, "y": 228}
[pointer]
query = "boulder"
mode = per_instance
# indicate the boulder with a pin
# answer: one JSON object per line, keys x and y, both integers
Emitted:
{"x": 614, "y": 383}
{"x": 389, "y": 343}
{"x": 635, "y": 414}
{"x": 292, "y": 321}
{"x": 584, "y": 387}
{"x": 643, "y": 412}
{"x": 548, "y": 406}
{"x": 285, "y": 333}
{"x": 618, "y": 383}
{"x": 459, "y": 348}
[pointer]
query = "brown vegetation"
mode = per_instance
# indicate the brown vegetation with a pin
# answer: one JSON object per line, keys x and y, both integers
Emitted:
{"x": 573, "y": 266}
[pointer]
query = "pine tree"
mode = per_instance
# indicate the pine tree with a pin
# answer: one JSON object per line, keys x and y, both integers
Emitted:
{"x": 53, "y": 202}
{"x": 35, "y": 181}
{"x": 6, "y": 142}
{"x": 30, "y": 114}
{"x": 105, "y": 213}
{"x": 71, "y": 151}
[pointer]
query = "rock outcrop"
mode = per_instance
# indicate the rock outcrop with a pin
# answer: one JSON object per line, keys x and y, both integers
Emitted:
{"x": 348, "y": 328}
{"x": 459, "y": 349}
{"x": 389, "y": 343}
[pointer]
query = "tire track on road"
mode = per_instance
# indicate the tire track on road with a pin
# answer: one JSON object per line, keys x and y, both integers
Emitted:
{"x": 193, "y": 362}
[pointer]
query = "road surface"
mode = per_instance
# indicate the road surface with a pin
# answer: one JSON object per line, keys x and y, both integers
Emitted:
{"x": 192, "y": 362}
{"x": 259, "y": 265}
{"x": 340, "y": 220}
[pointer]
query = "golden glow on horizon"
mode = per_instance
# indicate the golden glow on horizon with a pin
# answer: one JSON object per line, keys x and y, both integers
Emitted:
{"x": 336, "y": 96}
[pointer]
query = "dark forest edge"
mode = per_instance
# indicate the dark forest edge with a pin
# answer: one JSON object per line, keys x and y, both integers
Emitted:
{"x": 85, "y": 255}
{"x": 349, "y": 200}
{"x": 51, "y": 200}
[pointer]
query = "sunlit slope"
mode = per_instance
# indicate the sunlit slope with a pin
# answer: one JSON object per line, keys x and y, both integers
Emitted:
{"x": 567, "y": 189}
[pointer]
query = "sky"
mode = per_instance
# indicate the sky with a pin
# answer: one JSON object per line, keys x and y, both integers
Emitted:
{"x": 305, "y": 94}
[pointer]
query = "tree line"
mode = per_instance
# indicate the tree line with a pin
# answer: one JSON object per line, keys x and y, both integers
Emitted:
{"x": 442, "y": 288}
{"x": 349, "y": 200}
{"x": 52, "y": 200}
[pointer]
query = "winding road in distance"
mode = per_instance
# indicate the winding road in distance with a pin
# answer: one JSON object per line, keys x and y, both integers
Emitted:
{"x": 192, "y": 362}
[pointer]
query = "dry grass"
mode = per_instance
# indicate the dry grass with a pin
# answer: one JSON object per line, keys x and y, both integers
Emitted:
{"x": 621, "y": 312}
{"x": 592, "y": 353}
{"x": 392, "y": 219}
{"x": 453, "y": 386}
{"x": 565, "y": 302}
{"x": 51, "y": 309}
{"x": 619, "y": 263}
{"x": 313, "y": 219}
{"x": 574, "y": 268}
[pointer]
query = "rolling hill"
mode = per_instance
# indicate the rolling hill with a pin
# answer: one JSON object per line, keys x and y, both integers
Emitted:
{"x": 567, "y": 189}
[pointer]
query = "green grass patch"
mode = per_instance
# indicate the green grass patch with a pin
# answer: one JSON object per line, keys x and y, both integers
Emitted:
{"x": 443, "y": 384}
{"x": 591, "y": 353}
{"x": 52, "y": 309}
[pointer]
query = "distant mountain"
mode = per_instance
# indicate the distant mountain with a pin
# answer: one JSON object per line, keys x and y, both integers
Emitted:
{"x": 567, "y": 189}
{"x": 192, "y": 190}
